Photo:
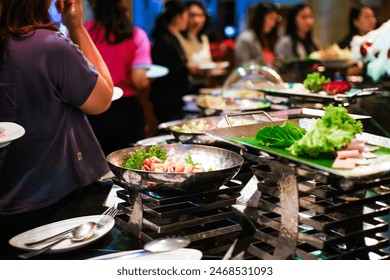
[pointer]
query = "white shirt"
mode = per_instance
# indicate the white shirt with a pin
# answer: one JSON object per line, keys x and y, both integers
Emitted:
{"x": 196, "y": 51}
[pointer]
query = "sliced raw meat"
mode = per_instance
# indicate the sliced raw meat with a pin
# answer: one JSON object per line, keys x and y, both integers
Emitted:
{"x": 343, "y": 154}
{"x": 343, "y": 164}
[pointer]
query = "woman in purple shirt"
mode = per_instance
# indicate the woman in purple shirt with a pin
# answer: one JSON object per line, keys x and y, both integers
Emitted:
{"x": 47, "y": 84}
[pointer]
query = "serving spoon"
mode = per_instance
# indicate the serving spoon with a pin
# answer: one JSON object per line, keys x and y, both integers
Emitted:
{"x": 152, "y": 247}
{"x": 80, "y": 233}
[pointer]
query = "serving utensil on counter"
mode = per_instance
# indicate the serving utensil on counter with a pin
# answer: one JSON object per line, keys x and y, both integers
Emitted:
{"x": 104, "y": 220}
{"x": 152, "y": 247}
{"x": 358, "y": 93}
{"x": 80, "y": 233}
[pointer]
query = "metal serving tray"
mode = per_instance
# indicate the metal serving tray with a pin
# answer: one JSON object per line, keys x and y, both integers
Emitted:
{"x": 301, "y": 94}
{"x": 244, "y": 137}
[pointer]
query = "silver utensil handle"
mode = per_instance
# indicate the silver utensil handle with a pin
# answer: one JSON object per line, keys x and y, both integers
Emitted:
{"x": 50, "y": 238}
{"x": 241, "y": 114}
{"x": 41, "y": 251}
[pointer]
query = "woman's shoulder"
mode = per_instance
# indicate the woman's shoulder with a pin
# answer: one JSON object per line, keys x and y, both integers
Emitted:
{"x": 138, "y": 31}
{"x": 52, "y": 40}
{"x": 139, "y": 35}
{"x": 283, "y": 40}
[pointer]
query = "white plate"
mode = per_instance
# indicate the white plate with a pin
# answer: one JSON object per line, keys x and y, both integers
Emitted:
{"x": 207, "y": 65}
{"x": 178, "y": 254}
{"x": 213, "y": 65}
{"x": 118, "y": 93}
{"x": 157, "y": 71}
{"x": 162, "y": 139}
{"x": 57, "y": 227}
{"x": 12, "y": 132}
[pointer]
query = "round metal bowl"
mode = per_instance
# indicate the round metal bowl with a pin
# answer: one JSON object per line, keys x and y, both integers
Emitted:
{"x": 211, "y": 105}
{"x": 193, "y": 131}
{"x": 225, "y": 165}
{"x": 193, "y": 135}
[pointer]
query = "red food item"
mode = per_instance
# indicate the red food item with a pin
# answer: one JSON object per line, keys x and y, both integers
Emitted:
{"x": 364, "y": 47}
{"x": 336, "y": 87}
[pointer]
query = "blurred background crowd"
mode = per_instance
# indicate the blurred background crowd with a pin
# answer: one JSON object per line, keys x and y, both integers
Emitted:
{"x": 182, "y": 35}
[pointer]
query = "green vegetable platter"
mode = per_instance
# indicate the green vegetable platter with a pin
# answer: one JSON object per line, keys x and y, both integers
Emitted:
{"x": 245, "y": 137}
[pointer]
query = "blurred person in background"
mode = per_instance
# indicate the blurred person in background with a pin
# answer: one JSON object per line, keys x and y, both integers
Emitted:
{"x": 126, "y": 50}
{"x": 256, "y": 43}
{"x": 298, "y": 42}
{"x": 47, "y": 85}
{"x": 196, "y": 44}
{"x": 361, "y": 21}
{"x": 167, "y": 91}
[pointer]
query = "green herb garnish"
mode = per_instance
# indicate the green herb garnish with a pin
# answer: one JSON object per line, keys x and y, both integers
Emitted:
{"x": 136, "y": 159}
{"x": 189, "y": 160}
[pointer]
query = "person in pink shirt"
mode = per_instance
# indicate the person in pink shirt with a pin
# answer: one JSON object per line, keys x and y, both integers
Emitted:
{"x": 126, "y": 50}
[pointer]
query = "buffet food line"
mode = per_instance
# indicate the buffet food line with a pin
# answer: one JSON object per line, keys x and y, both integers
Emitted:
{"x": 305, "y": 208}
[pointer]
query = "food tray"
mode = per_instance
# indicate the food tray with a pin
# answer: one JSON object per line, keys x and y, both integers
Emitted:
{"x": 211, "y": 105}
{"x": 244, "y": 137}
{"x": 243, "y": 118}
{"x": 297, "y": 91}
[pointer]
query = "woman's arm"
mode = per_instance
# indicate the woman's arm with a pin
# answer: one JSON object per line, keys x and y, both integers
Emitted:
{"x": 100, "y": 98}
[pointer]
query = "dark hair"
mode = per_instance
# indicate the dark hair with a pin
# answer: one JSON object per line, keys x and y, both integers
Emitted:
{"x": 172, "y": 8}
{"x": 20, "y": 17}
{"x": 354, "y": 14}
{"x": 115, "y": 18}
{"x": 206, "y": 24}
{"x": 256, "y": 23}
{"x": 291, "y": 30}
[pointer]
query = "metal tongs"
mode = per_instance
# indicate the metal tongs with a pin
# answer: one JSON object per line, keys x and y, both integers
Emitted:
{"x": 358, "y": 93}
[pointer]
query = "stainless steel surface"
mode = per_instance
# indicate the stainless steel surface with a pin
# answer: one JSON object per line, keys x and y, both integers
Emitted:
{"x": 193, "y": 137}
{"x": 225, "y": 165}
{"x": 152, "y": 247}
{"x": 288, "y": 234}
{"x": 50, "y": 238}
{"x": 346, "y": 99}
{"x": 167, "y": 244}
{"x": 298, "y": 217}
{"x": 199, "y": 136}
{"x": 79, "y": 233}
{"x": 231, "y": 105}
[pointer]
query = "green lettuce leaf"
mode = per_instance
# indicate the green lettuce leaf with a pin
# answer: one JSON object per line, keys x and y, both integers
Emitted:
{"x": 280, "y": 135}
{"x": 330, "y": 133}
{"x": 314, "y": 81}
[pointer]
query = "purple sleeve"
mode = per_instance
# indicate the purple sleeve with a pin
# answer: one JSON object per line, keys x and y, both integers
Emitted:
{"x": 72, "y": 74}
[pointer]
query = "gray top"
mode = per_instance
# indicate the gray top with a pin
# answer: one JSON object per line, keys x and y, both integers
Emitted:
{"x": 284, "y": 49}
{"x": 248, "y": 48}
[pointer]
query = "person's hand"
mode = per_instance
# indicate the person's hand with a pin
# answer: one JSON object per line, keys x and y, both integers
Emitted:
{"x": 71, "y": 11}
{"x": 192, "y": 68}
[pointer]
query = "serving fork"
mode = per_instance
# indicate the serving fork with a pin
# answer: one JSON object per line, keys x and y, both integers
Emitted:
{"x": 105, "y": 219}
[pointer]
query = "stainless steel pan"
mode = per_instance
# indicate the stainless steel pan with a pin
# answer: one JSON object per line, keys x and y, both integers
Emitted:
{"x": 225, "y": 165}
